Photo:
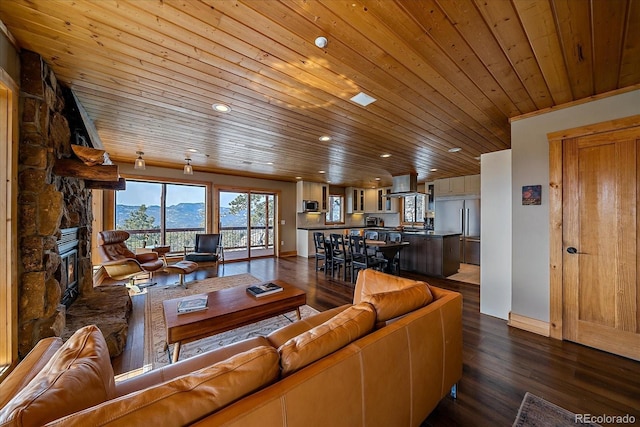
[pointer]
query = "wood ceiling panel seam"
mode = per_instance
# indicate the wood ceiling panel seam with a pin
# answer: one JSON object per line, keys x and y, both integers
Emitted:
{"x": 608, "y": 31}
{"x": 509, "y": 33}
{"x": 629, "y": 64}
{"x": 437, "y": 30}
{"x": 456, "y": 114}
{"x": 77, "y": 87}
{"x": 573, "y": 21}
{"x": 434, "y": 155}
{"x": 539, "y": 25}
{"x": 497, "y": 120}
{"x": 464, "y": 17}
{"x": 432, "y": 130}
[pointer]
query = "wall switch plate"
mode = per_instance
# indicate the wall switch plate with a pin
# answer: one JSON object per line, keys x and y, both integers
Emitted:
{"x": 282, "y": 222}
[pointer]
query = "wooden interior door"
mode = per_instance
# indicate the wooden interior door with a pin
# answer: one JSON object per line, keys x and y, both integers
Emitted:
{"x": 601, "y": 290}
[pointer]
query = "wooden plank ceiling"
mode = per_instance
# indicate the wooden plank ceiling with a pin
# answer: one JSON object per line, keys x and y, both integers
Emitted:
{"x": 445, "y": 74}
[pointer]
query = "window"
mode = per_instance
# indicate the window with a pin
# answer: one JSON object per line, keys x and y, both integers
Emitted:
{"x": 160, "y": 213}
{"x": 335, "y": 212}
{"x": 413, "y": 209}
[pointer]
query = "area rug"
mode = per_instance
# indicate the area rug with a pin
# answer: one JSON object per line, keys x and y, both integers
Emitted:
{"x": 537, "y": 412}
{"x": 155, "y": 334}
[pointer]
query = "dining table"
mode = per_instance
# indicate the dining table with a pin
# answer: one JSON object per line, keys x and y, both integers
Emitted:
{"x": 389, "y": 250}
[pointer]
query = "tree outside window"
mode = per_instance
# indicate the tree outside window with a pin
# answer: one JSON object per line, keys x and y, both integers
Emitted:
{"x": 414, "y": 211}
{"x": 335, "y": 212}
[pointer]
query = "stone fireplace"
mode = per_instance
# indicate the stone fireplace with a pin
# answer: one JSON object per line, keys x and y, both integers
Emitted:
{"x": 54, "y": 218}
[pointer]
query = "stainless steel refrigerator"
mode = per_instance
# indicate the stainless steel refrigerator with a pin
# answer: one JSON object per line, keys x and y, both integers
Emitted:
{"x": 461, "y": 216}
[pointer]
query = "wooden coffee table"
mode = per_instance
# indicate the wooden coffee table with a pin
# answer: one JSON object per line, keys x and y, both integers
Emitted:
{"x": 227, "y": 309}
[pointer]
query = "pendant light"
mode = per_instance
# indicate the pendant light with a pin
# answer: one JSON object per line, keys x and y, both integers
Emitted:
{"x": 139, "y": 163}
{"x": 188, "y": 169}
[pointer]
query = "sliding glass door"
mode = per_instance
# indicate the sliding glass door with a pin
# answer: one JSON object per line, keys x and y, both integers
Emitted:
{"x": 247, "y": 223}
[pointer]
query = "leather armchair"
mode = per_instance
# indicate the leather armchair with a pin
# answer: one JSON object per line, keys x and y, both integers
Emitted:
{"x": 119, "y": 262}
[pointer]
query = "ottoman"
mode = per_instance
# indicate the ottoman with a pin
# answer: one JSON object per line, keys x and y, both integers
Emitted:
{"x": 182, "y": 268}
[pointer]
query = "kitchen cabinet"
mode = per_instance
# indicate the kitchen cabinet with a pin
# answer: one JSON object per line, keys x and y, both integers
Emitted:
{"x": 355, "y": 200}
{"x": 371, "y": 200}
{"x": 306, "y": 190}
{"x": 457, "y": 186}
{"x": 385, "y": 204}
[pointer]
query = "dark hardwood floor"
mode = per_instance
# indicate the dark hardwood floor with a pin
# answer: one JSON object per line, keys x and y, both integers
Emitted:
{"x": 500, "y": 363}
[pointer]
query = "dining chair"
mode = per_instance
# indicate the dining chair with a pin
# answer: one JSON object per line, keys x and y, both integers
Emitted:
{"x": 340, "y": 256}
{"x": 395, "y": 262}
{"x": 322, "y": 253}
{"x": 371, "y": 235}
{"x": 360, "y": 257}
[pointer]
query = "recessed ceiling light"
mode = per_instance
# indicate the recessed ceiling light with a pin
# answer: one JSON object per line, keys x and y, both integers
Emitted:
{"x": 192, "y": 150}
{"x": 363, "y": 99}
{"x": 325, "y": 138}
{"x": 298, "y": 177}
{"x": 433, "y": 170}
{"x": 377, "y": 179}
{"x": 328, "y": 182}
{"x": 455, "y": 149}
{"x": 385, "y": 155}
{"x": 221, "y": 108}
{"x": 321, "y": 172}
{"x": 269, "y": 163}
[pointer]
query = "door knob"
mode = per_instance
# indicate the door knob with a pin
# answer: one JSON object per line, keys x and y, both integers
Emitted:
{"x": 572, "y": 250}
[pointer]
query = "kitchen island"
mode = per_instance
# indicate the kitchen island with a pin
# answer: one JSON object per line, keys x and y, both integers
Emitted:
{"x": 431, "y": 253}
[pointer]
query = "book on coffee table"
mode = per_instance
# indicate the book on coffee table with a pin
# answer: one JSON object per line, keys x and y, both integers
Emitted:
{"x": 189, "y": 305}
{"x": 264, "y": 289}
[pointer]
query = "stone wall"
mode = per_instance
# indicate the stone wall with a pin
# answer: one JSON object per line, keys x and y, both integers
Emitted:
{"x": 46, "y": 204}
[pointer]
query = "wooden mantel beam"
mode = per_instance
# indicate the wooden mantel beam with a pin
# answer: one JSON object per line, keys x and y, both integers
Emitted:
{"x": 76, "y": 169}
{"x": 120, "y": 184}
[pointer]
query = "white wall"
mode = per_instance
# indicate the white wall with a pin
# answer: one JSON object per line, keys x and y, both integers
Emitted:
{"x": 495, "y": 228}
{"x": 530, "y": 166}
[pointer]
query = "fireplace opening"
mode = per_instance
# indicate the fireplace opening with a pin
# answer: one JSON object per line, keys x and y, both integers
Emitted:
{"x": 68, "y": 277}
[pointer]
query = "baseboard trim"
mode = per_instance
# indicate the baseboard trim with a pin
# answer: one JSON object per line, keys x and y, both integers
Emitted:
{"x": 528, "y": 324}
{"x": 288, "y": 254}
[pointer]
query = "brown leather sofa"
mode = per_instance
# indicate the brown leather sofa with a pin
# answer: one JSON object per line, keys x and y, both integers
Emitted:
{"x": 386, "y": 360}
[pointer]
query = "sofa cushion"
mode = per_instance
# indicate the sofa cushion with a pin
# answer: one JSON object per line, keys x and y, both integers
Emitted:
{"x": 371, "y": 282}
{"x": 324, "y": 339}
{"x": 392, "y": 304}
{"x": 78, "y": 375}
{"x": 187, "y": 398}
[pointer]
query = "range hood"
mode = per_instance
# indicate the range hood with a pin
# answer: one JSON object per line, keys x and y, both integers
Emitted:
{"x": 404, "y": 185}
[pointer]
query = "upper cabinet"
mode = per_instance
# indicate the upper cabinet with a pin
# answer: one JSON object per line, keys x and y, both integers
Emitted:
{"x": 306, "y": 190}
{"x": 355, "y": 200}
{"x": 458, "y": 186}
{"x": 384, "y": 203}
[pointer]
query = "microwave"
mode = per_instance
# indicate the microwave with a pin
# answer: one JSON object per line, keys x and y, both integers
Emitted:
{"x": 310, "y": 206}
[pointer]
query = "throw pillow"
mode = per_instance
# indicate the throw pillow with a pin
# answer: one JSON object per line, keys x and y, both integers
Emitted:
{"x": 397, "y": 303}
{"x": 78, "y": 376}
{"x": 345, "y": 327}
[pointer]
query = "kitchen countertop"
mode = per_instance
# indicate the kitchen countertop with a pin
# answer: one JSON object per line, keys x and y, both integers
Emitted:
{"x": 411, "y": 231}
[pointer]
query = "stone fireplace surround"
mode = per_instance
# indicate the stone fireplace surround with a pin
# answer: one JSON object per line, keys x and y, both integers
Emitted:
{"x": 48, "y": 204}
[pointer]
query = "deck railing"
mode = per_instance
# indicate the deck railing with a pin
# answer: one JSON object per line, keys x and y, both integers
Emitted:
{"x": 233, "y": 238}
